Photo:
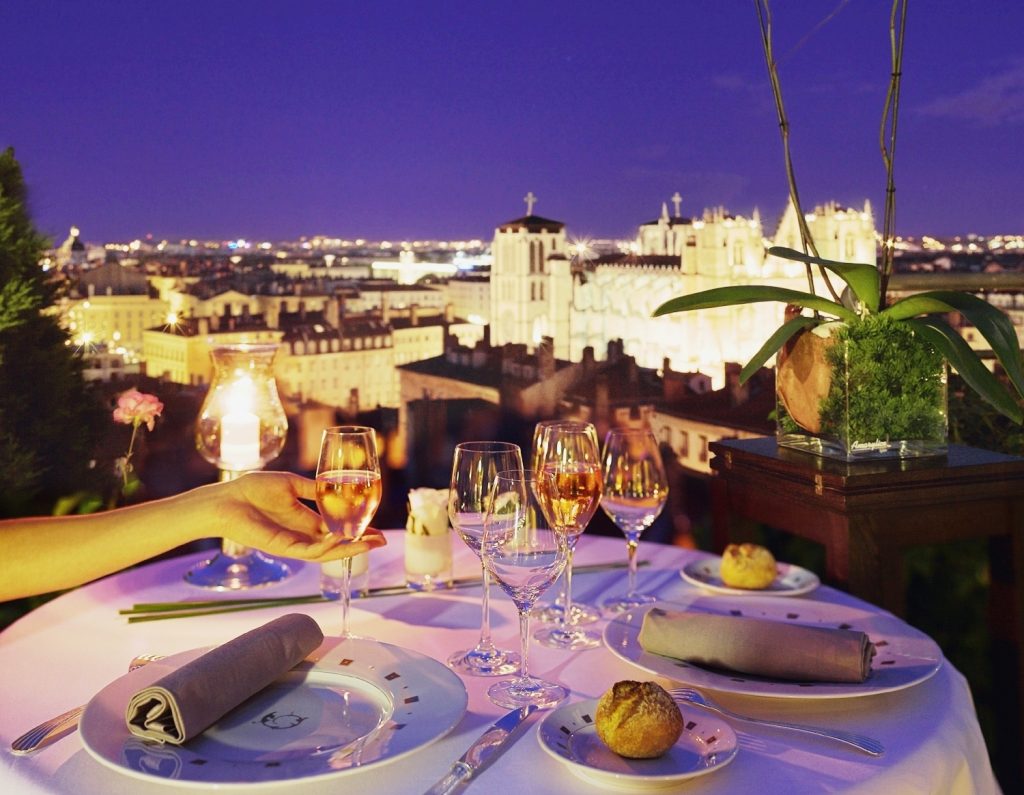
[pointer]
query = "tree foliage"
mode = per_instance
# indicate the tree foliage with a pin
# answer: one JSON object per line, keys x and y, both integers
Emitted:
{"x": 49, "y": 418}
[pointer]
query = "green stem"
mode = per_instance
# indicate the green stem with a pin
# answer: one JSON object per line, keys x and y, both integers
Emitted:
{"x": 157, "y": 611}
{"x": 128, "y": 456}
{"x": 160, "y": 616}
{"x": 764, "y": 17}
{"x": 888, "y": 130}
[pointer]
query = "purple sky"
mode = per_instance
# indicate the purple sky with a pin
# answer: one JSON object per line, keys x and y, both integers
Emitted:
{"x": 432, "y": 119}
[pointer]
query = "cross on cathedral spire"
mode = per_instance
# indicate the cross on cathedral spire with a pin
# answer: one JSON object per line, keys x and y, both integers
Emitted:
{"x": 530, "y": 200}
{"x": 677, "y": 200}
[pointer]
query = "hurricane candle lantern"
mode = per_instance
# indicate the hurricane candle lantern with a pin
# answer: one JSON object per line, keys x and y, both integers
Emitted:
{"x": 241, "y": 427}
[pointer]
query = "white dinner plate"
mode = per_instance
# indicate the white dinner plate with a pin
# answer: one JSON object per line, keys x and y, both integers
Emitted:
{"x": 904, "y": 656}
{"x": 791, "y": 580}
{"x": 568, "y": 734}
{"x": 351, "y": 704}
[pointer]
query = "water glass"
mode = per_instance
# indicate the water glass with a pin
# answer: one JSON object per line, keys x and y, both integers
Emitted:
{"x": 475, "y": 466}
{"x": 525, "y": 553}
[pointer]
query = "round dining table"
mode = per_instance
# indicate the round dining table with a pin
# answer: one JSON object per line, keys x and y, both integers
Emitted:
{"x": 66, "y": 651}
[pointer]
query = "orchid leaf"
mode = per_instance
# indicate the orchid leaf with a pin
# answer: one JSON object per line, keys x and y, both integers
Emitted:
{"x": 917, "y": 305}
{"x": 863, "y": 278}
{"x": 992, "y": 324}
{"x": 752, "y": 294}
{"x": 966, "y": 362}
{"x": 775, "y": 342}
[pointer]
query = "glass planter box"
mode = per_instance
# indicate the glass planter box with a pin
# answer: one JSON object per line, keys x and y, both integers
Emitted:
{"x": 862, "y": 392}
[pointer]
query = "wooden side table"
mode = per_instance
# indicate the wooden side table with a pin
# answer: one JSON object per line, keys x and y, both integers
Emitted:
{"x": 866, "y": 514}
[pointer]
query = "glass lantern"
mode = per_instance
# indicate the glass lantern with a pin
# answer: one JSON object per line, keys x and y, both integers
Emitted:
{"x": 241, "y": 426}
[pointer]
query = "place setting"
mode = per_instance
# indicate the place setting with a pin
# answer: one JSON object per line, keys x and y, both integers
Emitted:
{"x": 278, "y": 703}
{"x": 282, "y": 702}
{"x": 761, "y": 646}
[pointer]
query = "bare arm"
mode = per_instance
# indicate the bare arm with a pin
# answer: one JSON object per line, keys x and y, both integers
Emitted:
{"x": 262, "y": 510}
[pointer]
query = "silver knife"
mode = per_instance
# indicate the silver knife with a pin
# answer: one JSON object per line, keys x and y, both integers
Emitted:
{"x": 490, "y": 744}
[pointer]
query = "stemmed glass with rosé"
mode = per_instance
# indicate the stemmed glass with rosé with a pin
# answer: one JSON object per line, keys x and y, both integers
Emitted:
{"x": 635, "y": 491}
{"x": 348, "y": 492}
{"x": 571, "y": 456}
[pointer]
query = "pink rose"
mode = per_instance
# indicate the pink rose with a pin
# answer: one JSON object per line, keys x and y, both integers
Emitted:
{"x": 135, "y": 408}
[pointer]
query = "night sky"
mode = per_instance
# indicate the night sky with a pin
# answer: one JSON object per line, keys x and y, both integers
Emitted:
{"x": 430, "y": 119}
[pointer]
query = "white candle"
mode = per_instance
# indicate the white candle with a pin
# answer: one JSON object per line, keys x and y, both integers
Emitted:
{"x": 240, "y": 441}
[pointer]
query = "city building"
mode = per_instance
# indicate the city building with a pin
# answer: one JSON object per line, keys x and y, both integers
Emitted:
{"x": 543, "y": 287}
{"x": 112, "y": 305}
{"x": 101, "y": 364}
{"x": 327, "y": 356}
{"x": 469, "y": 296}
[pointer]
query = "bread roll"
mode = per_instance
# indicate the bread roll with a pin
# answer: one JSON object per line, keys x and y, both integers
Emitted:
{"x": 638, "y": 720}
{"x": 747, "y": 566}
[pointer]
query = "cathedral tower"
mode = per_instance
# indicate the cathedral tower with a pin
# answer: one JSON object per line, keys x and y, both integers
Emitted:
{"x": 528, "y": 297}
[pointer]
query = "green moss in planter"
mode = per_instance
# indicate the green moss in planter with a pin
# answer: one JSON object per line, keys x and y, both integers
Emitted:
{"x": 887, "y": 385}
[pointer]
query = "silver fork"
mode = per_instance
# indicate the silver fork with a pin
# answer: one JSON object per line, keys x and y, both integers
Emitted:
{"x": 49, "y": 731}
{"x": 867, "y": 744}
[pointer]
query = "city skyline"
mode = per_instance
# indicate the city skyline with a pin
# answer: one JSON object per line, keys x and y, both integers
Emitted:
{"x": 409, "y": 121}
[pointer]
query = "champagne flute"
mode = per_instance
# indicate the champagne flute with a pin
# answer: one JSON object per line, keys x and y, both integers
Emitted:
{"x": 570, "y": 454}
{"x": 635, "y": 491}
{"x": 348, "y": 492}
{"x": 555, "y": 611}
{"x": 525, "y": 552}
{"x": 475, "y": 466}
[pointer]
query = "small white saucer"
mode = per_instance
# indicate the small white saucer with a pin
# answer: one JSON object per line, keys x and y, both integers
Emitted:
{"x": 791, "y": 580}
{"x": 568, "y": 734}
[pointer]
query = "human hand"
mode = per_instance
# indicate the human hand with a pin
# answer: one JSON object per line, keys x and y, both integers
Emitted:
{"x": 263, "y": 510}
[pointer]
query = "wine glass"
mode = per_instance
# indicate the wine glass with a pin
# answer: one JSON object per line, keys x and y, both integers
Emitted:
{"x": 554, "y": 612}
{"x": 348, "y": 492}
{"x": 525, "y": 552}
{"x": 635, "y": 491}
{"x": 475, "y": 465}
{"x": 570, "y": 454}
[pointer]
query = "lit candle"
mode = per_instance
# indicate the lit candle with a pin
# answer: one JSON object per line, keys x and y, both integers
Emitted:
{"x": 240, "y": 441}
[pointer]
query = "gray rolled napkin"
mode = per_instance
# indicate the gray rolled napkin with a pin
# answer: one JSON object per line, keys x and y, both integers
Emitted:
{"x": 185, "y": 702}
{"x": 774, "y": 649}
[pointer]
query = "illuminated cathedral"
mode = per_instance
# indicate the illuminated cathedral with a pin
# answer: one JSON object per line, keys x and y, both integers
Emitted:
{"x": 542, "y": 285}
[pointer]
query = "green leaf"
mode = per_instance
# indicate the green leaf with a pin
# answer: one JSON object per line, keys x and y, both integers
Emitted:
{"x": 992, "y": 324}
{"x": 863, "y": 278}
{"x": 966, "y": 362}
{"x": 79, "y": 502}
{"x": 774, "y": 343}
{"x": 752, "y": 294}
{"x": 916, "y": 305}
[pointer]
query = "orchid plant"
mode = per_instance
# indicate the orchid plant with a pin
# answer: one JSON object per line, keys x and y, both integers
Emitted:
{"x": 865, "y": 300}
{"x": 922, "y": 311}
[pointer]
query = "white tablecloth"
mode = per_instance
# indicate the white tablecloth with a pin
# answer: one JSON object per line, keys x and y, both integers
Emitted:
{"x": 65, "y": 651}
